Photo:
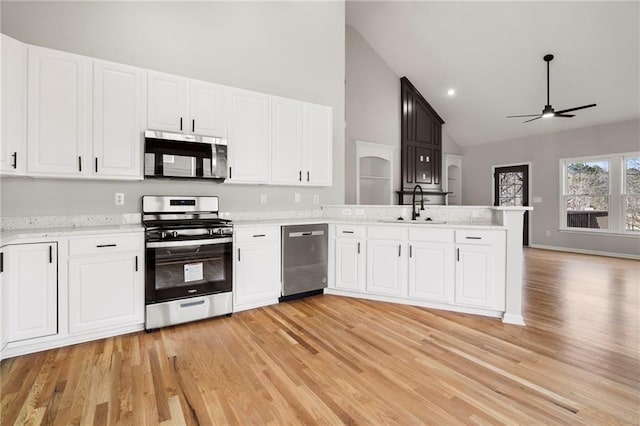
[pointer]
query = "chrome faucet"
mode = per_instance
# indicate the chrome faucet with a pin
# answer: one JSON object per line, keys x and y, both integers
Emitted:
{"x": 415, "y": 214}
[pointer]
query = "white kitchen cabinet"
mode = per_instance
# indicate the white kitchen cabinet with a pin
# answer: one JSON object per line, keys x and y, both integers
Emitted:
{"x": 318, "y": 142}
{"x": 14, "y": 106}
{"x": 386, "y": 267}
{"x": 350, "y": 258}
{"x": 31, "y": 279}
{"x": 249, "y": 136}
{"x": 287, "y": 141}
{"x": 178, "y": 104}
{"x": 431, "y": 268}
{"x": 106, "y": 282}
{"x": 479, "y": 271}
{"x": 3, "y": 308}
{"x": 119, "y": 104}
{"x": 256, "y": 267}
{"x": 58, "y": 104}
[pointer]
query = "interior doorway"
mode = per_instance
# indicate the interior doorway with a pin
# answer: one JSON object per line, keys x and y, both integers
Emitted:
{"x": 511, "y": 188}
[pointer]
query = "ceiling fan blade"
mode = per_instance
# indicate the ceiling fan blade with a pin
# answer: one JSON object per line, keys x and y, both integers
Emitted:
{"x": 533, "y": 119}
{"x": 518, "y": 116}
{"x": 575, "y": 109}
{"x": 564, "y": 115}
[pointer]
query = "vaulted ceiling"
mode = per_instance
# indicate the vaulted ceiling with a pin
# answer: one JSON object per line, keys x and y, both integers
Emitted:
{"x": 491, "y": 54}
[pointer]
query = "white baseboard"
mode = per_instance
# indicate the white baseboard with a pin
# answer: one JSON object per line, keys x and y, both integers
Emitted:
{"x": 581, "y": 251}
{"x": 513, "y": 319}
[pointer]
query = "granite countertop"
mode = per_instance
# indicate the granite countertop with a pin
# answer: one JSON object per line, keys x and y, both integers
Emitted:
{"x": 363, "y": 221}
{"x": 6, "y": 237}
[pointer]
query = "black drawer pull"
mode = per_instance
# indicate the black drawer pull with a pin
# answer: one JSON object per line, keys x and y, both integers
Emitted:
{"x": 79, "y": 163}
{"x": 473, "y": 238}
{"x": 106, "y": 245}
{"x": 189, "y": 304}
{"x": 458, "y": 254}
{"x": 238, "y": 255}
{"x": 96, "y": 164}
{"x": 180, "y": 123}
{"x": 193, "y": 125}
{"x": 307, "y": 176}
{"x": 50, "y": 254}
{"x": 15, "y": 160}
{"x": 259, "y": 235}
{"x": 410, "y": 250}
{"x": 229, "y": 172}
{"x": 399, "y": 250}
{"x": 358, "y": 247}
{"x": 136, "y": 263}
{"x": 300, "y": 175}
{"x": 1, "y": 262}
{"x": 347, "y": 232}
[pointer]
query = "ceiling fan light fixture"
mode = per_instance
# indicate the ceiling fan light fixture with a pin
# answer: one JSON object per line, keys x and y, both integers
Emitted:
{"x": 548, "y": 114}
{"x": 451, "y": 92}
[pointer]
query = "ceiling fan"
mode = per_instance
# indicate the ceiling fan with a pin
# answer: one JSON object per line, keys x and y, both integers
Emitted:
{"x": 548, "y": 110}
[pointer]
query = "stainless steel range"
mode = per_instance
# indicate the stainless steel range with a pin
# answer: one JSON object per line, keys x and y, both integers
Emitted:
{"x": 188, "y": 260}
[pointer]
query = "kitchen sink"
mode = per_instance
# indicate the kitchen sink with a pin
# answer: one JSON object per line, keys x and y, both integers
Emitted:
{"x": 415, "y": 222}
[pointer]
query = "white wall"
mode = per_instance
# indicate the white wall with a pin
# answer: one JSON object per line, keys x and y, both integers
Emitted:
{"x": 544, "y": 152}
{"x": 291, "y": 49}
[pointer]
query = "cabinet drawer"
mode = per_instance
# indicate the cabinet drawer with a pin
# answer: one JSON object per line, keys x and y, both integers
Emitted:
{"x": 479, "y": 237}
{"x": 105, "y": 244}
{"x": 257, "y": 234}
{"x": 387, "y": 233}
{"x": 349, "y": 231}
{"x": 431, "y": 235}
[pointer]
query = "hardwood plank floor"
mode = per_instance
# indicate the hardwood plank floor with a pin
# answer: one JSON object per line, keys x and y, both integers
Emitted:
{"x": 333, "y": 360}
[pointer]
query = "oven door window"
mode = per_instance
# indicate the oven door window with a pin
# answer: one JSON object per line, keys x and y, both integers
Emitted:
{"x": 176, "y": 272}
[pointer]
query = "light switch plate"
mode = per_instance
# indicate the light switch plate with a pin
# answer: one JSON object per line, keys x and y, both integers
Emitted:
{"x": 119, "y": 199}
{"x": 296, "y": 197}
{"x": 316, "y": 199}
{"x": 537, "y": 199}
{"x": 263, "y": 198}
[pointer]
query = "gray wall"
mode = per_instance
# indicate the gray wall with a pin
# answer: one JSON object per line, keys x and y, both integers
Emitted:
{"x": 373, "y": 107}
{"x": 544, "y": 152}
{"x": 291, "y": 49}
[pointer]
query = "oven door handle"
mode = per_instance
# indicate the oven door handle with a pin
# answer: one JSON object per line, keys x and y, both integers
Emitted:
{"x": 207, "y": 242}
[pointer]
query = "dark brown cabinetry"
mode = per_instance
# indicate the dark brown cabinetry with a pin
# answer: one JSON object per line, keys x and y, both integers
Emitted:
{"x": 421, "y": 143}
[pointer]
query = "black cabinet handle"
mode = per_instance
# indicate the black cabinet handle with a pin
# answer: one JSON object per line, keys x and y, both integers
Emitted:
{"x": 136, "y": 263}
{"x": 410, "y": 250}
{"x": 180, "y": 123}
{"x": 307, "y": 176}
{"x": 229, "y": 172}
{"x": 50, "y": 254}
{"x": 96, "y": 164}
{"x": 259, "y": 235}
{"x": 79, "y": 163}
{"x": 347, "y": 232}
{"x": 399, "y": 250}
{"x": 458, "y": 255}
{"x": 1, "y": 262}
{"x": 15, "y": 160}
{"x": 358, "y": 247}
{"x": 473, "y": 238}
{"x": 238, "y": 254}
{"x": 193, "y": 125}
{"x": 106, "y": 245}
{"x": 300, "y": 175}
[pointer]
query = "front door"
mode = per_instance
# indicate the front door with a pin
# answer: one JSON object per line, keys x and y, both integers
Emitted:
{"x": 511, "y": 188}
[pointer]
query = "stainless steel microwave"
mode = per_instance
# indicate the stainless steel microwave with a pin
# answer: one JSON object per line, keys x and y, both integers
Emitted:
{"x": 180, "y": 156}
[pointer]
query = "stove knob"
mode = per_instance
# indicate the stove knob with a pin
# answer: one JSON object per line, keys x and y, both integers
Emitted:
{"x": 163, "y": 235}
{"x": 175, "y": 234}
{"x": 210, "y": 231}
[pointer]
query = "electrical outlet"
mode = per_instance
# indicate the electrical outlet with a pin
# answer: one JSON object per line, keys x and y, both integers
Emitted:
{"x": 346, "y": 212}
{"x": 119, "y": 199}
{"x": 263, "y": 198}
{"x": 316, "y": 199}
{"x": 548, "y": 233}
{"x": 537, "y": 200}
{"x": 359, "y": 212}
{"x": 296, "y": 197}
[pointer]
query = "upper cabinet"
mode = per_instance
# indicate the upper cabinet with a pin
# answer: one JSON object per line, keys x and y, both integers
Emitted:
{"x": 249, "y": 137}
{"x": 301, "y": 143}
{"x": 178, "y": 104}
{"x": 118, "y": 119}
{"x": 14, "y": 106}
{"x": 58, "y": 103}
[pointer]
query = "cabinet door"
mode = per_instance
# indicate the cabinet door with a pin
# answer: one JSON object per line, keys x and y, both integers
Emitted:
{"x": 257, "y": 273}
{"x": 350, "y": 264}
{"x": 207, "y": 104}
{"x": 474, "y": 275}
{"x": 431, "y": 271}
{"x": 118, "y": 126}
{"x": 105, "y": 291}
{"x": 14, "y": 106}
{"x": 249, "y": 137}
{"x": 386, "y": 263}
{"x": 319, "y": 144}
{"x": 58, "y": 104}
{"x": 3, "y": 303}
{"x": 32, "y": 292}
{"x": 287, "y": 141}
{"x": 167, "y": 105}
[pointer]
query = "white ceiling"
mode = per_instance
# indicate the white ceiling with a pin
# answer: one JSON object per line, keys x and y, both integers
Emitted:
{"x": 491, "y": 53}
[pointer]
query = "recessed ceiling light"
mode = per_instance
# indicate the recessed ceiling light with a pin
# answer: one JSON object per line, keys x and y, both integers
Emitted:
{"x": 451, "y": 92}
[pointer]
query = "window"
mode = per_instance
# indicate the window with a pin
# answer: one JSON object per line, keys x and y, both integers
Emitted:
{"x": 601, "y": 194}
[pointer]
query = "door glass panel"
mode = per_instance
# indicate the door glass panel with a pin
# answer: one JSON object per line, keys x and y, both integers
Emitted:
{"x": 510, "y": 189}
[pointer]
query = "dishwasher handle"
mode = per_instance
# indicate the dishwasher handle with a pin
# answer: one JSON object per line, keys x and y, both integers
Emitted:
{"x": 306, "y": 234}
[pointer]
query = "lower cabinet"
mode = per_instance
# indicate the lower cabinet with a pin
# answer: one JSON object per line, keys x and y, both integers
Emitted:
{"x": 30, "y": 275}
{"x": 387, "y": 261}
{"x": 431, "y": 268}
{"x": 350, "y": 265}
{"x": 105, "y": 291}
{"x": 256, "y": 267}
{"x": 480, "y": 269}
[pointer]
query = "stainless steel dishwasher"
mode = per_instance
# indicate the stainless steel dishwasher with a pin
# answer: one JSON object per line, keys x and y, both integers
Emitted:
{"x": 304, "y": 260}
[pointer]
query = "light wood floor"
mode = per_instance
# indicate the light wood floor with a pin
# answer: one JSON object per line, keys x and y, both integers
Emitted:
{"x": 333, "y": 360}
